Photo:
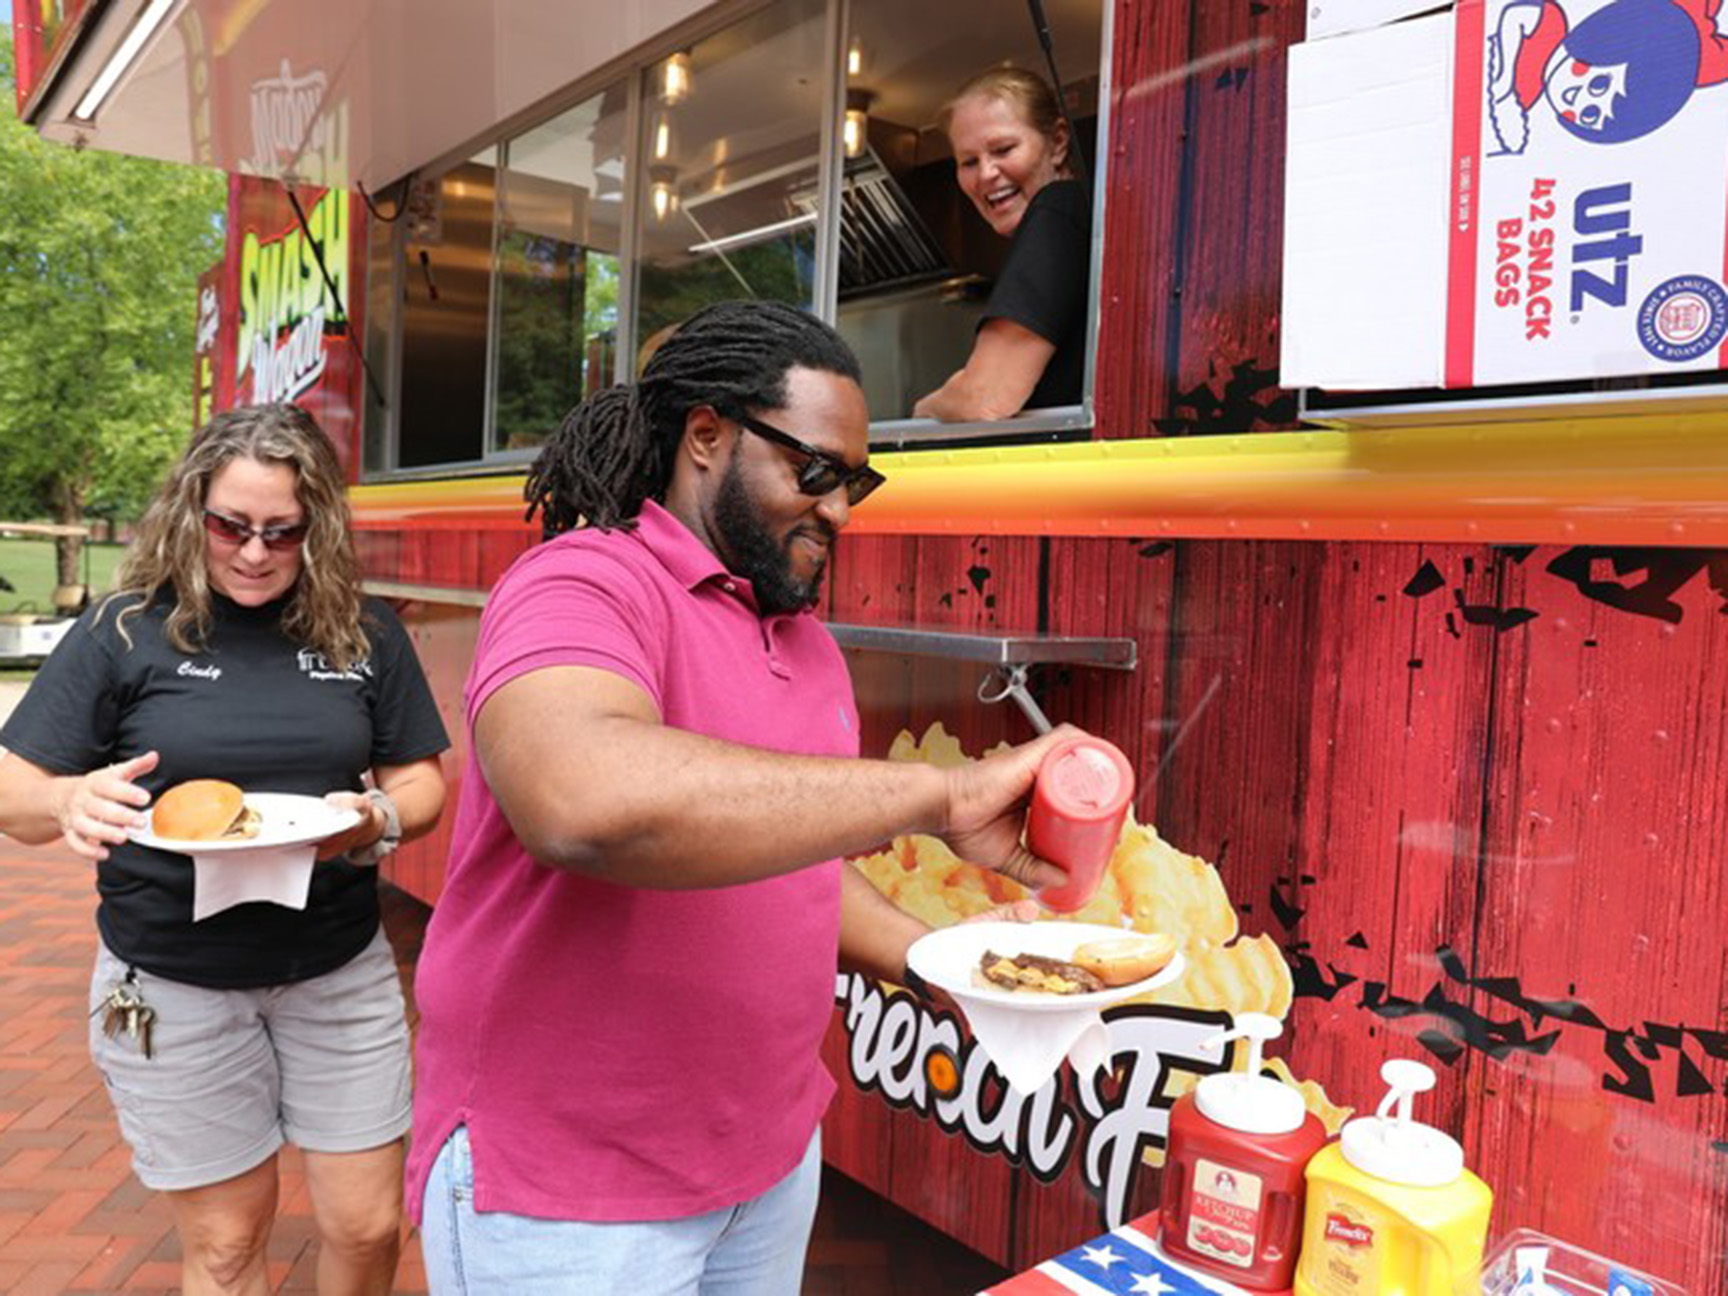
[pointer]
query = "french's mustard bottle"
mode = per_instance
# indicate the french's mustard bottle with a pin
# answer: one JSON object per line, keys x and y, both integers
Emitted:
{"x": 1391, "y": 1209}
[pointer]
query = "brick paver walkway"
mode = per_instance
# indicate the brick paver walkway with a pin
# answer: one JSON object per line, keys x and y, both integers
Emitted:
{"x": 72, "y": 1217}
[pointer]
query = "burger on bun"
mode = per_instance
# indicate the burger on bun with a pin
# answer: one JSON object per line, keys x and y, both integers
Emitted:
{"x": 1093, "y": 966}
{"x": 204, "y": 810}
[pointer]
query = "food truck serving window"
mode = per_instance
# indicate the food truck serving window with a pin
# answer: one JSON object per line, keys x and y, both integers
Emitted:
{"x": 918, "y": 262}
{"x": 796, "y": 153}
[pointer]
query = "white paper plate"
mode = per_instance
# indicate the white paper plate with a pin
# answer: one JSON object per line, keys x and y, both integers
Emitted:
{"x": 288, "y": 820}
{"x": 948, "y": 957}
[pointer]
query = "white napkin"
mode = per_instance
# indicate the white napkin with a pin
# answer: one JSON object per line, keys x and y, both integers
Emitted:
{"x": 1028, "y": 1047}
{"x": 279, "y": 874}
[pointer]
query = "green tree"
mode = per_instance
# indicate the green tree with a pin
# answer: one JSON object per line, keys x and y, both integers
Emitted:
{"x": 557, "y": 331}
{"x": 99, "y": 261}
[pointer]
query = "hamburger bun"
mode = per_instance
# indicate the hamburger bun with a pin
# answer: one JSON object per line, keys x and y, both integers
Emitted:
{"x": 1124, "y": 959}
{"x": 203, "y": 810}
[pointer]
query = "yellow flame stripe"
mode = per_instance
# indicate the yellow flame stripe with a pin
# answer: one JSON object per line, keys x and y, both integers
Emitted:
{"x": 1650, "y": 479}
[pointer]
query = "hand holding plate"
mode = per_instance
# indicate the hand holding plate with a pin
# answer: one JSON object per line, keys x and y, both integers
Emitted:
{"x": 103, "y": 805}
{"x": 368, "y": 830}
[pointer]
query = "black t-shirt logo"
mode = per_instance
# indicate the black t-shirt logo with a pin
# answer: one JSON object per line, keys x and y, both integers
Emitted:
{"x": 314, "y": 665}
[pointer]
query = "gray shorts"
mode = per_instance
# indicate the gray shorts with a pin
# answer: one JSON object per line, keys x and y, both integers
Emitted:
{"x": 322, "y": 1063}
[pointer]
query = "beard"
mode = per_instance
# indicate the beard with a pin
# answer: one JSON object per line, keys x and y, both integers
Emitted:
{"x": 754, "y": 554}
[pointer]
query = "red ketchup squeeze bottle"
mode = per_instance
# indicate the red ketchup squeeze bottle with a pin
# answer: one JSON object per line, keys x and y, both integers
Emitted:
{"x": 1234, "y": 1188}
{"x": 1078, "y": 805}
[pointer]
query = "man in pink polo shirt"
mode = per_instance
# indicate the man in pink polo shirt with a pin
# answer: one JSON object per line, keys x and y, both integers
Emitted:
{"x": 631, "y": 967}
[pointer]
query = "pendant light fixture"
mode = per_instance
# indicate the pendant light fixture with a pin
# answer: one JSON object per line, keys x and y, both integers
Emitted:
{"x": 663, "y": 190}
{"x": 675, "y": 81}
{"x": 855, "y": 133}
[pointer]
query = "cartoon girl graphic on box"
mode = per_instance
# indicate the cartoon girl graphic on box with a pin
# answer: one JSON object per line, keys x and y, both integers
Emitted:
{"x": 1624, "y": 71}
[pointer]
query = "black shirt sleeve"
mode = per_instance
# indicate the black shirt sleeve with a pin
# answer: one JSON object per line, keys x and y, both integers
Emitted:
{"x": 67, "y": 720}
{"x": 406, "y": 725}
{"x": 1044, "y": 285}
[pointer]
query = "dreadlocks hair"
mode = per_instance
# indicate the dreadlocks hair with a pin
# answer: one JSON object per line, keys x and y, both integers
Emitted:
{"x": 616, "y": 449}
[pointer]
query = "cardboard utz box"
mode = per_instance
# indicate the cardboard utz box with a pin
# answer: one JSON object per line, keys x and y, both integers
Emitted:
{"x": 1508, "y": 191}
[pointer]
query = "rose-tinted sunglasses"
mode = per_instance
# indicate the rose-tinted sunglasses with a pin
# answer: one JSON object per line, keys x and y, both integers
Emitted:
{"x": 230, "y": 531}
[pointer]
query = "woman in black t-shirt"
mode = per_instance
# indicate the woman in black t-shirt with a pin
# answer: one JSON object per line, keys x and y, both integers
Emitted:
{"x": 239, "y": 646}
{"x": 1011, "y": 158}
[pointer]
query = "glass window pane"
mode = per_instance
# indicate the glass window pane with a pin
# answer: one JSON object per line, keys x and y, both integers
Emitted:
{"x": 732, "y": 130}
{"x": 561, "y": 202}
{"x": 382, "y": 303}
{"x": 446, "y": 293}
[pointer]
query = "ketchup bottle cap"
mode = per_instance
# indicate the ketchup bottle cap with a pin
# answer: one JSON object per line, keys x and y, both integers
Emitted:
{"x": 1087, "y": 780}
{"x": 1246, "y": 1100}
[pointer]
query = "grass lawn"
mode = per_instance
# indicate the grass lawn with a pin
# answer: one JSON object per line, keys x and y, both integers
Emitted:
{"x": 28, "y": 566}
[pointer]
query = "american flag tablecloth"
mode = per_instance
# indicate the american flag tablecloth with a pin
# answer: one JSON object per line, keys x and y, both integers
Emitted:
{"x": 1124, "y": 1262}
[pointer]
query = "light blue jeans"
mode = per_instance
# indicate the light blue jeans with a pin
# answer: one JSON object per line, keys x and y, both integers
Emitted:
{"x": 753, "y": 1249}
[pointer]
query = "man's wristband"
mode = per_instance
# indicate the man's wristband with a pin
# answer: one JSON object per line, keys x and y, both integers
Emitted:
{"x": 392, "y": 837}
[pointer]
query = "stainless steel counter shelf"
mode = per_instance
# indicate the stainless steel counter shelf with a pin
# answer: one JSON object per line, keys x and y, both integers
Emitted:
{"x": 1009, "y": 656}
{"x": 1000, "y": 650}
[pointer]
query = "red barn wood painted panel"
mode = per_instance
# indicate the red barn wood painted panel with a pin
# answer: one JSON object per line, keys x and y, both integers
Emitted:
{"x": 1189, "y": 304}
{"x": 1230, "y": 254}
{"x": 1433, "y": 780}
{"x": 1607, "y": 847}
{"x": 1145, "y": 155}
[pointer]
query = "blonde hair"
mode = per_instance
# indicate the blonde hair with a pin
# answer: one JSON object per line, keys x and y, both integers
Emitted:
{"x": 169, "y": 550}
{"x": 1028, "y": 93}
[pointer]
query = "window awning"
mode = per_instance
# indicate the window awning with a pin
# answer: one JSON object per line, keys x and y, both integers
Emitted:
{"x": 329, "y": 92}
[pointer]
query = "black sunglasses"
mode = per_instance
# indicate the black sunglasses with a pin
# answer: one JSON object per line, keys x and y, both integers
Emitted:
{"x": 822, "y": 471}
{"x": 229, "y": 531}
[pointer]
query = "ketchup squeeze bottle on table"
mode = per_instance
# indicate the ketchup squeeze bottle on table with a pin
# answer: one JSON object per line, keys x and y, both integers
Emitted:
{"x": 1078, "y": 806}
{"x": 1234, "y": 1183}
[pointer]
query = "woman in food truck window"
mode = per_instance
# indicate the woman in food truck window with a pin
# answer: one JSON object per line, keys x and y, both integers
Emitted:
{"x": 1012, "y": 159}
{"x": 240, "y": 648}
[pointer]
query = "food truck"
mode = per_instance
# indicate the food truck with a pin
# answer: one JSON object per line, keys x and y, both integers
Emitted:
{"x": 1389, "y": 539}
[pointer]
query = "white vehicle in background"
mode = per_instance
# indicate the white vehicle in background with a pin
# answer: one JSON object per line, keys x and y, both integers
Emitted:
{"x": 27, "y": 635}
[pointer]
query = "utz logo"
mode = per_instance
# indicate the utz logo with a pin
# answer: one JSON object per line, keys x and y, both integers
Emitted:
{"x": 1624, "y": 70}
{"x": 1684, "y": 318}
{"x": 1348, "y": 1232}
{"x": 1602, "y": 254}
{"x": 1603, "y": 247}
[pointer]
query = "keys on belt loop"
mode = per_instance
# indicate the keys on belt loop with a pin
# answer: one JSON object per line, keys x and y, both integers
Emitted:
{"x": 124, "y": 1009}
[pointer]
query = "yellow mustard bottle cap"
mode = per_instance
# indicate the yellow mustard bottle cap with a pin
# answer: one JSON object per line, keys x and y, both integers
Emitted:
{"x": 1391, "y": 1146}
